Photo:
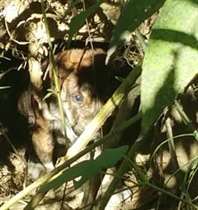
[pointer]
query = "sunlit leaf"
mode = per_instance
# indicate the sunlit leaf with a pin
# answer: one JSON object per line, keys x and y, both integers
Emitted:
{"x": 171, "y": 59}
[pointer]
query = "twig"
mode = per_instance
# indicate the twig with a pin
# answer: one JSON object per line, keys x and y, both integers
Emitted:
{"x": 54, "y": 70}
{"x": 171, "y": 143}
{"x": 11, "y": 37}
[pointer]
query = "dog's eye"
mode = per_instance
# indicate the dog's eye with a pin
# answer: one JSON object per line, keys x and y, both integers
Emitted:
{"x": 78, "y": 98}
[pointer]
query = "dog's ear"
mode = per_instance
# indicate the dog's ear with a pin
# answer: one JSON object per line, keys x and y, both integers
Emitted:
{"x": 78, "y": 59}
{"x": 60, "y": 66}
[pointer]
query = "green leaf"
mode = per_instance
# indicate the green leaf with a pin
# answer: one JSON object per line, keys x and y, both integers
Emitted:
{"x": 171, "y": 58}
{"x": 106, "y": 160}
{"x": 132, "y": 15}
{"x": 87, "y": 169}
{"x": 79, "y": 20}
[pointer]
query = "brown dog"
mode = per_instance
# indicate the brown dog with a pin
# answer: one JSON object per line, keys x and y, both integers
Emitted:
{"x": 85, "y": 84}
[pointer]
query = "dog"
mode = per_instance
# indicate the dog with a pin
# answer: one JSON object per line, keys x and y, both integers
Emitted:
{"x": 85, "y": 84}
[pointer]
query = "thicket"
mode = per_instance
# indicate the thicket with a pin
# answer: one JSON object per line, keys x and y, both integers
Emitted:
{"x": 160, "y": 38}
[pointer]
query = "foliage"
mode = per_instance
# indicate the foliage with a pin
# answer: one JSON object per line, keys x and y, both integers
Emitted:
{"x": 78, "y": 21}
{"x": 87, "y": 169}
{"x": 169, "y": 65}
{"x": 171, "y": 58}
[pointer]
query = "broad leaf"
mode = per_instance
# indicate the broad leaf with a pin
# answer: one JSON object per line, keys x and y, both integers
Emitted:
{"x": 171, "y": 59}
{"x": 87, "y": 169}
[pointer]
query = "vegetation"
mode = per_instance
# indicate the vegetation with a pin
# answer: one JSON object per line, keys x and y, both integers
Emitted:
{"x": 158, "y": 39}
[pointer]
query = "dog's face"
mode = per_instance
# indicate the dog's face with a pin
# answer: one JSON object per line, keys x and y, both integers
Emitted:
{"x": 83, "y": 78}
{"x": 80, "y": 104}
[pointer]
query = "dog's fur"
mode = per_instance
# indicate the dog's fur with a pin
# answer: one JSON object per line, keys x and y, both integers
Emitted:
{"x": 85, "y": 84}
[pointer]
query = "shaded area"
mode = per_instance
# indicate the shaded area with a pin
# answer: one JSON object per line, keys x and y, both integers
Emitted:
{"x": 175, "y": 37}
{"x": 194, "y": 1}
{"x": 139, "y": 11}
{"x": 165, "y": 97}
